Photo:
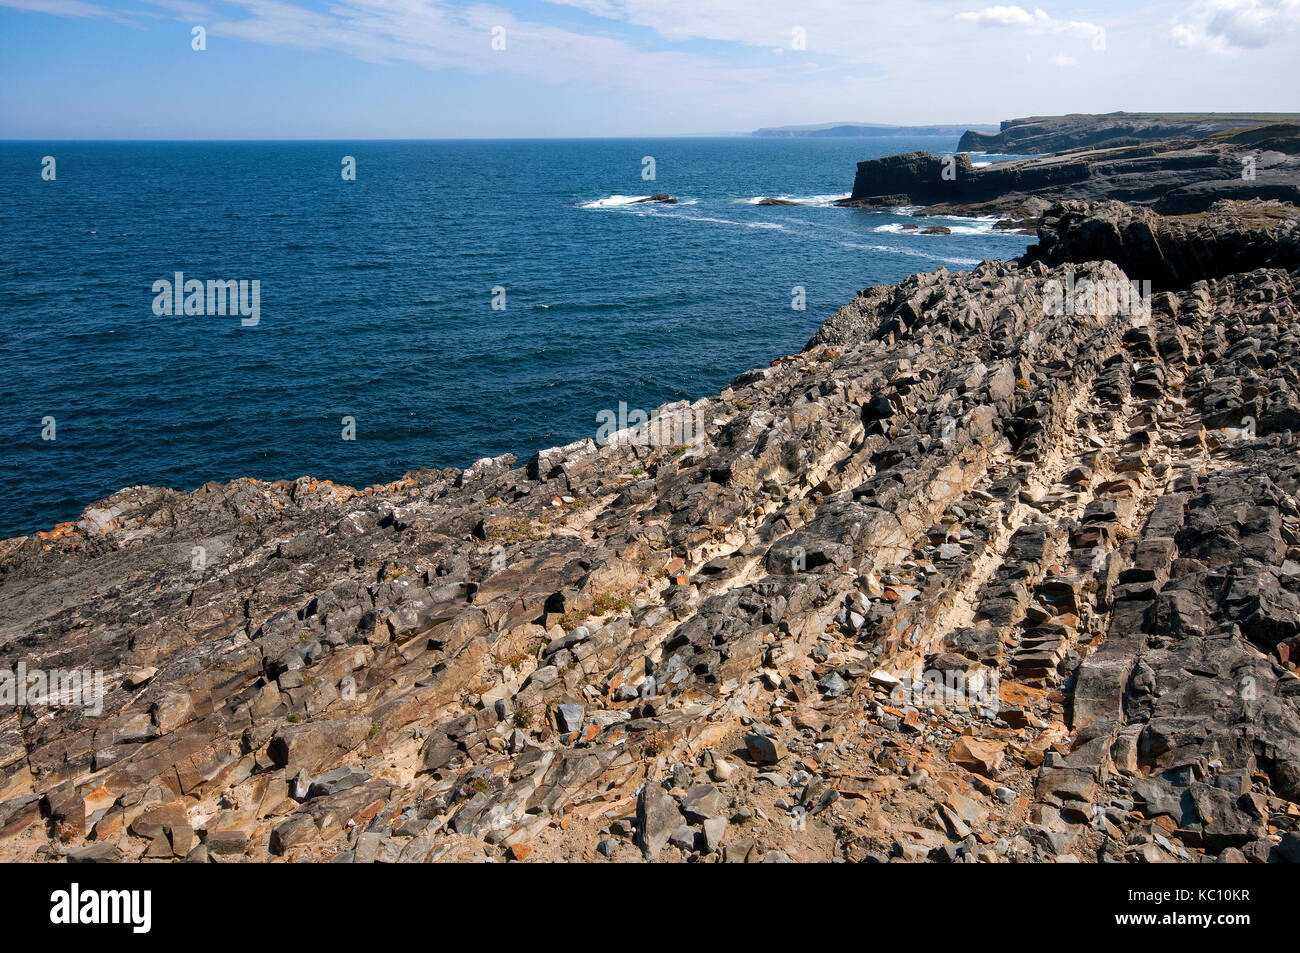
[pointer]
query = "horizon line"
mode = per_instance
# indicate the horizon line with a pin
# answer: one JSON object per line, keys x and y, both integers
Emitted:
{"x": 686, "y": 135}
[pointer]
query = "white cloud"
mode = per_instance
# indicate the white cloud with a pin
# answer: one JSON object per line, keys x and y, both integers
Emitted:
{"x": 61, "y": 8}
{"x": 1005, "y": 16}
{"x": 440, "y": 34}
{"x": 865, "y": 31}
{"x": 1088, "y": 31}
{"x": 1228, "y": 27}
{"x": 633, "y": 66}
{"x": 435, "y": 34}
{"x": 1037, "y": 24}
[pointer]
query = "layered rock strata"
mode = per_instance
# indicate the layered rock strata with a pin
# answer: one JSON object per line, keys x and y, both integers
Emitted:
{"x": 982, "y": 574}
{"x": 1040, "y": 134}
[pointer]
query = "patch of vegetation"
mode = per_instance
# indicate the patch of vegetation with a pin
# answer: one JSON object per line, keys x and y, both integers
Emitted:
{"x": 1257, "y": 215}
{"x": 607, "y": 604}
{"x": 518, "y": 531}
{"x": 600, "y": 606}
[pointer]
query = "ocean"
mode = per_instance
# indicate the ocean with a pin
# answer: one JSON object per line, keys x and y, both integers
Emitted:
{"x": 457, "y": 299}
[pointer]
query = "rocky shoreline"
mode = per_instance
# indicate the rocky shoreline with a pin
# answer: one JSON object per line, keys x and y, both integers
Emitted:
{"x": 993, "y": 570}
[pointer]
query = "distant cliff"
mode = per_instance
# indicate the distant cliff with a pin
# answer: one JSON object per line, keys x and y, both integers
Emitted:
{"x": 1040, "y": 134}
{"x": 860, "y": 130}
{"x": 1174, "y": 176}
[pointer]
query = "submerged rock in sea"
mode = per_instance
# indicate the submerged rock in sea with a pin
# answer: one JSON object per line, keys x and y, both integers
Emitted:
{"x": 987, "y": 572}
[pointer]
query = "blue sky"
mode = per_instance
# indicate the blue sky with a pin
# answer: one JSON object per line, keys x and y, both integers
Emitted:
{"x": 352, "y": 69}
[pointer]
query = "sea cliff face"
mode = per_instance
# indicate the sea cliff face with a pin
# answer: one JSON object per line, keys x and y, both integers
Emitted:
{"x": 1172, "y": 251}
{"x": 995, "y": 569}
{"x": 1174, "y": 176}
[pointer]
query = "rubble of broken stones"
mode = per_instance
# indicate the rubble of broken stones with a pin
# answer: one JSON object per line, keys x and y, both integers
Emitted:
{"x": 967, "y": 580}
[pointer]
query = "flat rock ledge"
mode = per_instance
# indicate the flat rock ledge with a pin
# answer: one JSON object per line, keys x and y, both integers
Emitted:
{"x": 973, "y": 578}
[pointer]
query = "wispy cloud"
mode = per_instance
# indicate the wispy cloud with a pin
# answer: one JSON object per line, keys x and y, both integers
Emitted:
{"x": 62, "y": 8}
{"x": 1229, "y": 27}
{"x": 670, "y": 65}
{"x": 435, "y": 34}
{"x": 616, "y": 47}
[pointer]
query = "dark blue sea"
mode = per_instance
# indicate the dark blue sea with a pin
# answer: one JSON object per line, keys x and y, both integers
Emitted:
{"x": 376, "y": 298}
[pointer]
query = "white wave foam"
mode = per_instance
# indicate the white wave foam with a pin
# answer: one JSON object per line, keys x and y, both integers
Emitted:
{"x": 826, "y": 200}
{"x": 614, "y": 201}
{"x": 814, "y": 201}
{"x": 963, "y": 225}
{"x": 773, "y": 226}
{"x": 639, "y": 201}
{"x": 891, "y": 250}
{"x": 957, "y": 224}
